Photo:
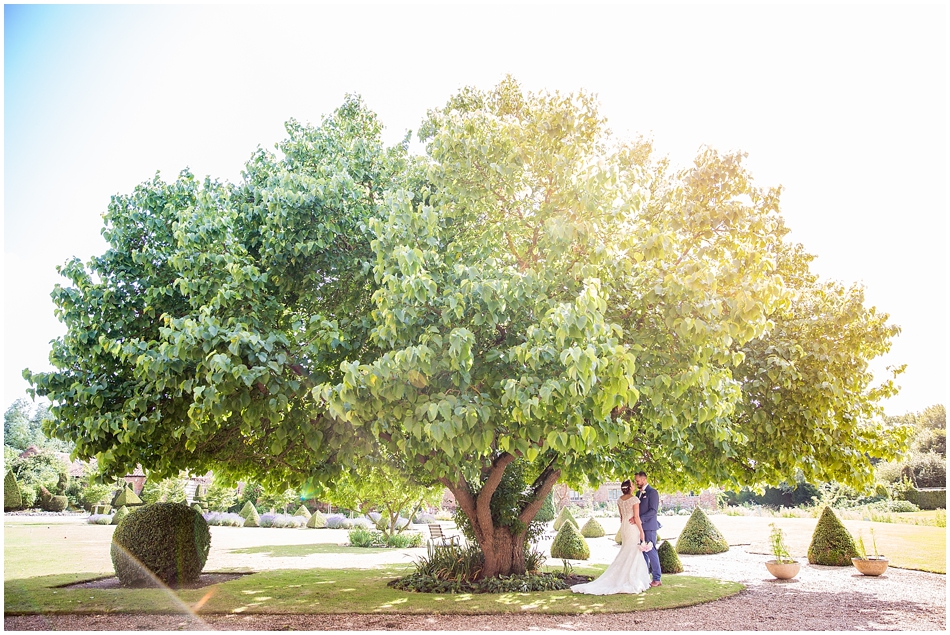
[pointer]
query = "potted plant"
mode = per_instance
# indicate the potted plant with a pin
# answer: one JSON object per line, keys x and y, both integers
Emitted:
{"x": 784, "y": 567}
{"x": 875, "y": 564}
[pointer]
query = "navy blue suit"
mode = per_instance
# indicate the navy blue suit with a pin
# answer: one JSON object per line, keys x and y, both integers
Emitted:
{"x": 649, "y": 506}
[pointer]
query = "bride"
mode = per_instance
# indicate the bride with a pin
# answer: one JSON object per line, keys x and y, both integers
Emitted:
{"x": 628, "y": 573}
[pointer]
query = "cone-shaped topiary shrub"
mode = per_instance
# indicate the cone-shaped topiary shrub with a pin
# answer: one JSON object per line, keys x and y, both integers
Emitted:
{"x": 11, "y": 493}
{"x": 317, "y": 520}
{"x": 565, "y": 515}
{"x": 669, "y": 560}
{"x": 831, "y": 544}
{"x": 253, "y": 519}
{"x": 302, "y": 511}
{"x": 592, "y": 529}
{"x": 126, "y": 498}
{"x": 167, "y": 540}
{"x": 547, "y": 512}
{"x": 119, "y": 515}
{"x": 246, "y": 510}
{"x": 569, "y": 543}
{"x": 700, "y": 536}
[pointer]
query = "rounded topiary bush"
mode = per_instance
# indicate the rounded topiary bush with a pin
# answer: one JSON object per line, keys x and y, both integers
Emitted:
{"x": 669, "y": 560}
{"x": 592, "y": 529}
{"x": 565, "y": 516}
{"x": 700, "y": 536}
{"x": 831, "y": 544}
{"x": 317, "y": 521}
{"x": 119, "y": 515}
{"x": 168, "y": 541}
{"x": 569, "y": 544}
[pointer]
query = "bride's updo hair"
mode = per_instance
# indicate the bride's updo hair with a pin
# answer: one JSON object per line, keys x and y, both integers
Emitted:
{"x": 626, "y": 486}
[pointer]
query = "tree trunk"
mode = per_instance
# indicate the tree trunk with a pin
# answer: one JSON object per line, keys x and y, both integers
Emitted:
{"x": 507, "y": 557}
{"x": 503, "y": 550}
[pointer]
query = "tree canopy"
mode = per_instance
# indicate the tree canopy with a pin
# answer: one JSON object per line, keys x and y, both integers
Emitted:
{"x": 532, "y": 288}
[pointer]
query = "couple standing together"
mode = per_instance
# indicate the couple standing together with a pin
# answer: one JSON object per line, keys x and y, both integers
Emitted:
{"x": 630, "y": 570}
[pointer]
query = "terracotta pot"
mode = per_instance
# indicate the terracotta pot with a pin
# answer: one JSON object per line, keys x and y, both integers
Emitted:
{"x": 873, "y": 566}
{"x": 783, "y": 570}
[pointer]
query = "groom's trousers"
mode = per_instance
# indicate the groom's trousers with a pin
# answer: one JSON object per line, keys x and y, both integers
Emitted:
{"x": 651, "y": 556}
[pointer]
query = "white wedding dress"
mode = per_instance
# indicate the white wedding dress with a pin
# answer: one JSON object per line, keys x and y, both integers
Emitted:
{"x": 628, "y": 573}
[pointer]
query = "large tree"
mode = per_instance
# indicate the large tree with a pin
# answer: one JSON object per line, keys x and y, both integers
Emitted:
{"x": 532, "y": 289}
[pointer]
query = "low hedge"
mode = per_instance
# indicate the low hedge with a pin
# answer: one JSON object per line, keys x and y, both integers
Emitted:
{"x": 927, "y": 499}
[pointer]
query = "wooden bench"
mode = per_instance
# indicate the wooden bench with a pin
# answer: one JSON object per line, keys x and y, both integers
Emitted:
{"x": 437, "y": 535}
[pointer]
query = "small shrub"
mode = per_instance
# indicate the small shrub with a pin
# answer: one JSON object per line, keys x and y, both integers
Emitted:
{"x": 424, "y": 519}
{"x": 451, "y": 561}
{"x": 700, "y": 536}
{"x": 669, "y": 559}
{"x": 592, "y": 529}
{"x": 335, "y": 521}
{"x": 534, "y": 560}
{"x": 99, "y": 519}
{"x": 527, "y": 583}
{"x": 11, "y": 493}
{"x": 167, "y": 540}
{"x": 405, "y": 540}
{"x": 365, "y": 538}
{"x": 565, "y": 516}
{"x": 444, "y": 514}
{"x": 28, "y": 494}
{"x": 317, "y": 521}
{"x": 831, "y": 544}
{"x": 569, "y": 543}
{"x": 895, "y": 506}
{"x": 374, "y": 516}
{"x": 358, "y": 523}
{"x": 119, "y": 515}
{"x": 223, "y": 519}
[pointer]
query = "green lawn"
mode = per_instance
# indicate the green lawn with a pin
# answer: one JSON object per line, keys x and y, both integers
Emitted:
{"x": 327, "y": 591}
{"x": 292, "y": 551}
{"x": 37, "y": 550}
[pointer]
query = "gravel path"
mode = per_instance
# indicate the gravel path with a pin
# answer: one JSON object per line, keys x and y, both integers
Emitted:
{"x": 819, "y": 598}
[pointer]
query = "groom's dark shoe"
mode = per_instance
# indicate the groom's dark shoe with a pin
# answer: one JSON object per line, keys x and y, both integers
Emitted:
{"x": 656, "y": 583}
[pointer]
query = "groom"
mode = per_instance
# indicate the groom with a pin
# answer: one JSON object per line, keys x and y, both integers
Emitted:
{"x": 649, "y": 505}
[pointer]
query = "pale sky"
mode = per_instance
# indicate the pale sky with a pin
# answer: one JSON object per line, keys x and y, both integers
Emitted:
{"x": 845, "y": 106}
